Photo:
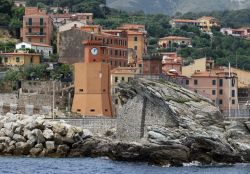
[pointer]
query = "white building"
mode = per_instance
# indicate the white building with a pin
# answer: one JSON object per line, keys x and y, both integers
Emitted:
{"x": 44, "y": 49}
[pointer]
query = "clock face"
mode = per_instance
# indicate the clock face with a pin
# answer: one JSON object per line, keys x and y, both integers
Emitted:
{"x": 94, "y": 51}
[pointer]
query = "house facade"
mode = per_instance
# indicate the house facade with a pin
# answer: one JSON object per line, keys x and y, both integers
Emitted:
{"x": 20, "y": 58}
{"x": 37, "y": 26}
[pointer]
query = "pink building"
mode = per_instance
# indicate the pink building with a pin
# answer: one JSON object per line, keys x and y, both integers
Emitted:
{"x": 37, "y": 26}
{"x": 216, "y": 85}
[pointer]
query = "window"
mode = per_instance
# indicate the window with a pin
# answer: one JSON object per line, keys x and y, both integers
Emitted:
{"x": 5, "y": 59}
{"x": 220, "y": 102}
{"x": 81, "y": 90}
{"x": 221, "y": 82}
{"x": 122, "y": 78}
{"x": 187, "y": 82}
{"x": 30, "y": 30}
{"x": 17, "y": 59}
{"x": 233, "y": 102}
{"x": 41, "y": 21}
{"x": 41, "y": 40}
{"x": 195, "y": 82}
{"x": 129, "y": 79}
{"x": 116, "y": 52}
{"x": 135, "y": 39}
{"x": 135, "y": 48}
{"x": 116, "y": 79}
{"x": 30, "y": 21}
{"x": 41, "y": 31}
{"x": 23, "y": 46}
{"x": 92, "y": 110}
{"x": 31, "y": 60}
{"x": 214, "y": 82}
{"x": 221, "y": 91}
{"x": 29, "y": 39}
{"x": 110, "y": 62}
{"x": 213, "y": 92}
{"x": 233, "y": 93}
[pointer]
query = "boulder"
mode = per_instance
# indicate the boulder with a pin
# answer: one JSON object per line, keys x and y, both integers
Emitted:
{"x": 7, "y": 132}
{"x": 60, "y": 129}
{"x": 50, "y": 146}
{"x": 62, "y": 150}
{"x": 48, "y": 134}
{"x": 40, "y": 146}
{"x": 86, "y": 134}
{"x": 22, "y": 148}
{"x": 18, "y": 138}
{"x": 5, "y": 140}
{"x": 35, "y": 151}
{"x": 37, "y": 133}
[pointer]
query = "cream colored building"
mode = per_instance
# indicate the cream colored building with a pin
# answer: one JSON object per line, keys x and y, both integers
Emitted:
{"x": 19, "y": 58}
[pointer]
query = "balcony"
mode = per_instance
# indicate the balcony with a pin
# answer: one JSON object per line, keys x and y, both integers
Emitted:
{"x": 35, "y": 34}
{"x": 35, "y": 24}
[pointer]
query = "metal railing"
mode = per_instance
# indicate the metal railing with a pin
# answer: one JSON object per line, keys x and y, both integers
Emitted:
{"x": 36, "y": 24}
{"x": 35, "y": 34}
{"x": 237, "y": 113}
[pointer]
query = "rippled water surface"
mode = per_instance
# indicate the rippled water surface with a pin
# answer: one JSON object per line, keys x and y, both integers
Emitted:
{"x": 104, "y": 166}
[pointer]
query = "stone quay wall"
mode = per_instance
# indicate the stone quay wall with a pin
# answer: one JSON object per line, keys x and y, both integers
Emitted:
{"x": 97, "y": 125}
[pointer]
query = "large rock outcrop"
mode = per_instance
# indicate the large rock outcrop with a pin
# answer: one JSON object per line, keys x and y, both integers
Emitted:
{"x": 159, "y": 123}
{"x": 180, "y": 125}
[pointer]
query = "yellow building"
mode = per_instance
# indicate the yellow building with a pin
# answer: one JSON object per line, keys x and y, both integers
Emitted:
{"x": 206, "y": 23}
{"x": 20, "y": 58}
{"x": 119, "y": 75}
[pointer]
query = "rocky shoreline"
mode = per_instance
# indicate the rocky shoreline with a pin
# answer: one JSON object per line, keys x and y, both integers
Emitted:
{"x": 194, "y": 131}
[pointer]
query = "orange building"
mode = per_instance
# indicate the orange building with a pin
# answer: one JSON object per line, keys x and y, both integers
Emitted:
{"x": 37, "y": 26}
{"x": 92, "y": 83}
{"x": 137, "y": 39}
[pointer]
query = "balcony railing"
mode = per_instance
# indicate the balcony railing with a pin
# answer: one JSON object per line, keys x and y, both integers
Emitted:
{"x": 237, "y": 113}
{"x": 36, "y": 24}
{"x": 35, "y": 34}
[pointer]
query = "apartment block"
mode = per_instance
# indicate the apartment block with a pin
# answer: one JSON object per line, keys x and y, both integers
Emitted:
{"x": 37, "y": 26}
{"x": 205, "y": 23}
{"x": 218, "y": 85}
{"x": 240, "y": 32}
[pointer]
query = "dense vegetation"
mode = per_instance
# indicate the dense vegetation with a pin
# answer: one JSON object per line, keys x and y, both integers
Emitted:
{"x": 11, "y": 16}
{"x": 39, "y": 72}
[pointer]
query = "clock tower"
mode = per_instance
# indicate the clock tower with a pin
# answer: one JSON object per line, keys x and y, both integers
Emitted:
{"x": 93, "y": 51}
{"x": 92, "y": 83}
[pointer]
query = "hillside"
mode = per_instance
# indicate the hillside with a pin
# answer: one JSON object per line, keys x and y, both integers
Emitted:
{"x": 170, "y": 7}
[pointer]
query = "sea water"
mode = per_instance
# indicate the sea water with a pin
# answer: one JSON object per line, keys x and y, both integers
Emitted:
{"x": 18, "y": 165}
